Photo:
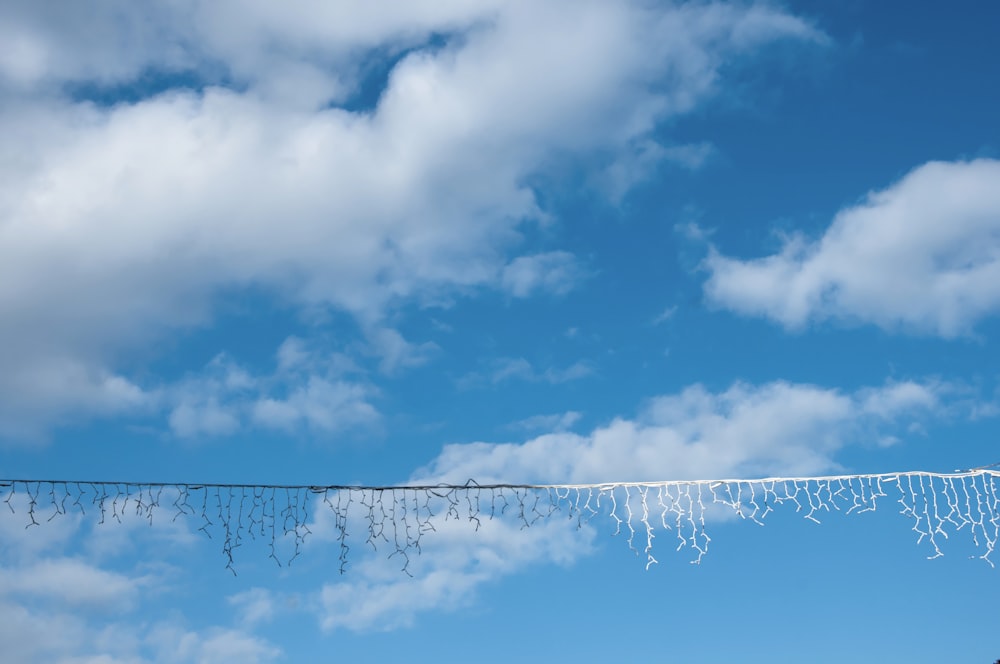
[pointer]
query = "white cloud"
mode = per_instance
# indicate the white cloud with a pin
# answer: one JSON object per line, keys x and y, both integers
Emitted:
{"x": 60, "y": 388}
{"x": 31, "y": 636}
{"x": 307, "y": 390}
{"x": 171, "y": 642}
{"x": 574, "y": 371}
{"x": 773, "y": 429}
{"x": 518, "y": 368}
{"x": 553, "y": 422}
{"x": 120, "y": 224}
{"x": 899, "y": 397}
{"x": 78, "y": 519}
{"x": 637, "y": 163}
{"x": 209, "y": 418}
{"x": 254, "y": 606}
{"x": 292, "y": 354}
{"x": 230, "y": 646}
{"x": 507, "y": 368}
{"x": 115, "y": 42}
{"x": 456, "y": 560}
{"x": 207, "y": 404}
{"x": 921, "y": 255}
{"x": 665, "y": 315}
{"x": 396, "y": 352}
{"x": 26, "y": 545}
{"x": 776, "y": 428}
{"x": 71, "y": 580}
{"x": 692, "y": 155}
{"x": 56, "y": 607}
{"x": 555, "y": 272}
{"x": 320, "y": 404}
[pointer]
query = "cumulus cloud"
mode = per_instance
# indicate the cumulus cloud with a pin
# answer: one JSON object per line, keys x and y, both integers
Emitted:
{"x": 73, "y": 581}
{"x": 33, "y": 636}
{"x": 172, "y": 643}
{"x": 308, "y": 390}
{"x": 922, "y": 255}
{"x": 455, "y": 561}
{"x": 59, "y": 388}
{"x": 115, "y": 42}
{"x": 122, "y": 223}
{"x": 27, "y": 545}
{"x": 61, "y": 605}
{"x": 320, "y": 404}
{"x": 745, "y": 430}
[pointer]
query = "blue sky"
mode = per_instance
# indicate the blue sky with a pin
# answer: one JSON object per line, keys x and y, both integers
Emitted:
{"x": 553, "y": 242}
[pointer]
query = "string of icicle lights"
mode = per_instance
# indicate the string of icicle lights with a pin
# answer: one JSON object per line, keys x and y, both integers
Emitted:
{"x": 397, "y": 519}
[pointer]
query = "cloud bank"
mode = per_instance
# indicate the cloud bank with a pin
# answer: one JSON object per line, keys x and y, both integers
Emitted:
{"x": 160, "y": 158}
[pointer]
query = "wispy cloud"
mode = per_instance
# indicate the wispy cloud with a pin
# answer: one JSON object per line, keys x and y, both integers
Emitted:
{"x": 254, "y": 606}
{"x": 397, "y": 353}
{"x": 665, "y": 315}
{"x": 553, "y": 272}
{"x": 553, "y": 422}
{"x": 639, "y": 162}
{"x": 507, "y": 369}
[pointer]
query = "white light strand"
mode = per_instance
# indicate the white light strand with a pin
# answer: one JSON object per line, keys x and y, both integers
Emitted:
{"x": 398, "y": 518}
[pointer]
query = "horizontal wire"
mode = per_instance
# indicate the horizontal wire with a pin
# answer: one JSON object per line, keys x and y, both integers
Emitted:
{"x": 472, "y": 484}
{"x": 398, "y": 517}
